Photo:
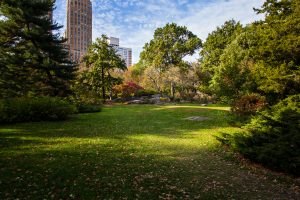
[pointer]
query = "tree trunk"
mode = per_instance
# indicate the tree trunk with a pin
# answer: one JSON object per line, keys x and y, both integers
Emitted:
{"x": 110, "y": 93}
{"x": 103, "y": 84}
{"x": 172, "y": 91}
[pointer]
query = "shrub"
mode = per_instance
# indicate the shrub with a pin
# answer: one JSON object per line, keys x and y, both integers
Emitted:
{"x": 85, "y": 96}
{"x": 272, "y": 137}
{"x": 127, "y": 90}
{"x": 141, "y": 93}
{"x": 248, "y": 104}
{"x": 86, "y": 101}
{"x": 224, "y": 100}
{"x": 34, "y": 109}
{"x": 164, "y": 99}
{"x": 88, "y": 108}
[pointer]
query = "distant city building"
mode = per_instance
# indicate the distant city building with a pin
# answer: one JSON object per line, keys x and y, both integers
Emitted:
{"x": 114, "y": 41}
{"x": 123, "y": 52}
{"x": 79, "y": 27}
{"x": 126, "y": 54}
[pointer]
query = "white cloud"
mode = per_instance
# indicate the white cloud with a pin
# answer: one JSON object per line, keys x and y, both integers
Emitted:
{"x": 204, "y": 20}
{"x": 134, "y": 21}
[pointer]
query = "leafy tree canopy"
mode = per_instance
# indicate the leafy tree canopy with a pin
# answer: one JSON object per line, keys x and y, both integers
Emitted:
{"x": 169, "y": 46}
{"x": 216, "y": 42}
{"x": 213, "y": 48}
{"x": 277, "y": 50}
{"x": 100, "y": 61}
{"x": 263, "y": 57}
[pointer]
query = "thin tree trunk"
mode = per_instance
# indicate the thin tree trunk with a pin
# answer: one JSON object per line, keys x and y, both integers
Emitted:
{"x": 103, "y": 84}
{"x": 155, "y": 83}
{"x": 110, "y": 93}
{"x": 172, "y": 91}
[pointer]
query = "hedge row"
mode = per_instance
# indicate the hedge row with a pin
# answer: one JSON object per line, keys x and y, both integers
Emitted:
{"x": 34, "y": 109}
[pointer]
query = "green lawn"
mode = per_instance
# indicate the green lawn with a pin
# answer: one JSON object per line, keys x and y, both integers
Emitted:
{"x": 131, "y": 152}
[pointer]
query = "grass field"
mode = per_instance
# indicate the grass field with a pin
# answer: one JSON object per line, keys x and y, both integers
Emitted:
{"x": 132, "y": 152}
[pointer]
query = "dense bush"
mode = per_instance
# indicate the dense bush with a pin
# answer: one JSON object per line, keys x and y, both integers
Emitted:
{"x": 127, "y": 90}
{"x": 88, "y": 108}
{"x": 164, "y": 99}
{"x": 141, "y": 93}
{"x": 85, "y": 100}
{"x": 34, "y": 109}
{"x": 272, "y": 137}
{"x": 248, "y": 104}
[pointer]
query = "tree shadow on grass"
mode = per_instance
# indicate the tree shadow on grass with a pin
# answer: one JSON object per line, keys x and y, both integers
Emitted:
{"x": 121, "y": 123}
{"x": 116, "y": 171}
{"x": 141, "y": 152}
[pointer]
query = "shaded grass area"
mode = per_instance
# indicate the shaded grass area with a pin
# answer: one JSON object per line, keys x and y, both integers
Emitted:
{"x": 131, "y": 152}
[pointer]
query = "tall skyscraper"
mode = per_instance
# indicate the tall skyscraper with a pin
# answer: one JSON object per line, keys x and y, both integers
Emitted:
{"x": 79, "y": 27}
{"x": 123, "y": 52}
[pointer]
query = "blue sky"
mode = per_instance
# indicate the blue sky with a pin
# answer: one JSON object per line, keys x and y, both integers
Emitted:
{"x": 134, "y": 21}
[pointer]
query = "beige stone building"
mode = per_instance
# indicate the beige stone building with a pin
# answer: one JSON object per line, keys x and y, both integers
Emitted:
{"x": 79, "y": 27}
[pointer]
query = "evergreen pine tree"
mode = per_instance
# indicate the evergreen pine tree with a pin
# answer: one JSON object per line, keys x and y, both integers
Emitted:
{"x": 33, "y": 59}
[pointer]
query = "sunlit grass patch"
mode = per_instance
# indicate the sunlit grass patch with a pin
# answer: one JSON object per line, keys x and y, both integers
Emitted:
{"x": 194, "y": 108}
{"x": 133, "y": 152}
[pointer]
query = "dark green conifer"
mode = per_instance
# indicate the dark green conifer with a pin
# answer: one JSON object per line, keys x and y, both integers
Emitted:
{"x": 33, "y": 58}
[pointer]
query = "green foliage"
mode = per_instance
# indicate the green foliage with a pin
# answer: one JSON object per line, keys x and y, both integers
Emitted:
{"x": 234, "y": 77}
{"x": 88, "y": 108}
{"x": 85, "y": 99}
{"x": 141, "y": 93}
{"x": 138, "y": 68}
{"x": 276, "y": 9}
{"x": 33, "y": 60}
{"x": 264, "y": 58}
{"x": 272, "y": 137}
{"x": 169, "y": 46}
{"x": 167, "y": 50}
{"x": 261, "y": 58}
{"x": 277, "y": 51}
{"x": 34, "y": 109}
{"x": 100, "y": 61}
{"x": 216, "y": 43}
{"x": 212, "y": 51}
{"x": 82, "y": 92}
{"x": 163, "y": 99}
